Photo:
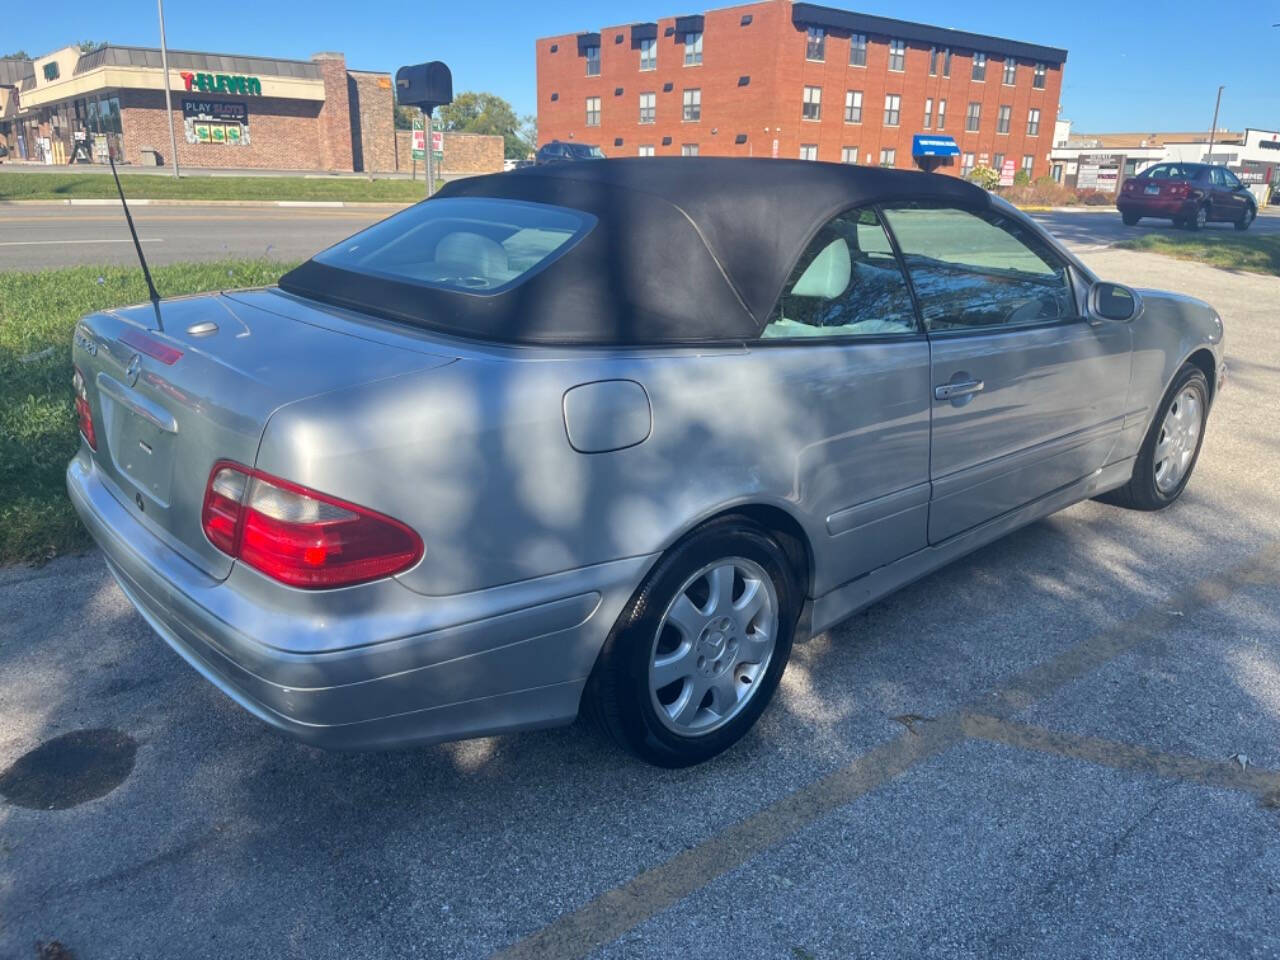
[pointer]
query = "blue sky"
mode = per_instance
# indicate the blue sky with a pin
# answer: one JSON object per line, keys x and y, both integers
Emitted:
{"x": 1132, "y": 66}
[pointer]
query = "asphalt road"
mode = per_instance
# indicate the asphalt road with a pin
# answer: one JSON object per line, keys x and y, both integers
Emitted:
{"x": 1096, "y": 228}
{"x": 1065, "y": 745}
{"x": 34, "y": 237}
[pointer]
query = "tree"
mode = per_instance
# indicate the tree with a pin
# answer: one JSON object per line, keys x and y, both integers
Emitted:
{"x": 405, "y": 117}
{"x": 985, "y": 177}
{"x": 88, "y": 46}
{"x": 488, "y": 113}
{"x": 17, "y": 55}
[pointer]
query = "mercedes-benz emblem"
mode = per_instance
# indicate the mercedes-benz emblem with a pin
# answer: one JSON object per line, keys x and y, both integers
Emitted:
{"x": 131, "y": 371}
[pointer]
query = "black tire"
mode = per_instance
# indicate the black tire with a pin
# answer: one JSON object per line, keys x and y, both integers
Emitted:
{"x": 1130, "y": 219}
{"x": 1142, "y": 492}
{"x": 1198, "y": 219}
{"x": 617, "y": 695}
{"x": 1246, "y": 218}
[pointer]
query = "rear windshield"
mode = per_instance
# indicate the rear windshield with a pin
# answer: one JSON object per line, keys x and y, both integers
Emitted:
{"x": 583, "y": 152}
{"x": 473, "y": 244}
{"x": 1173, "y": 171}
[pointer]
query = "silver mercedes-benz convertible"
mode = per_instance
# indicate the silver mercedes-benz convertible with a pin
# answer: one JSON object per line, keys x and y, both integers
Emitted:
{"x": 607, "y": 436}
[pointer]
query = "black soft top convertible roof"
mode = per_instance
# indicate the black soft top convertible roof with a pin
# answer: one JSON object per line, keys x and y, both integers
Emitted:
{"x": 686, "y": 249}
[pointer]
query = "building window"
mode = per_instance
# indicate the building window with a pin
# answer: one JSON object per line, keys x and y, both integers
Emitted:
{"x": 933, "y": 61}
{"x": 1010, "y": 71}
{"x": 997, "y": 162}
{"x": 1028, "y": 162}
{"x": 688, "y": 149}
{"x": 816, "y": 46}
{"x": 966, "y": 165}
{"x": 946, "y": 63}
{"x": 648, "y": 107}
{"x": 646, "y": 151}
{"x": 692, "y": 49}
{"x": 942, "y": 114}
{"x": 888, "y": 157}
{"x": 1002, "y": 119}
{"x": 593, "y": 61}
{"x": 593, "y": 111}
{"x": 848, "y": 154}
{"x": 1038, "y": 80}
{"x": 858, "y": 50}
{"x": 928, "y": 112}
{"x": 892, "y": 109}
{"x": 973, "y": 118}
{"x": 812, "y": 103}
{"x": 649, "y": 54}
{"x": 1033, "y": 123}
{"x": 853, "y": 106}
{"x": 693, "y": 104}
{"x": 897, "y": 55}
{"x": 979, "y": 66}
{"x": 808, "y": 151}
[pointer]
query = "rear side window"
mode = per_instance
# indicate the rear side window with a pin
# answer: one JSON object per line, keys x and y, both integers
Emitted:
{"x": 976, "y": 270}
{"x": 474, "y": 244}
{"x": 847, "y": 284}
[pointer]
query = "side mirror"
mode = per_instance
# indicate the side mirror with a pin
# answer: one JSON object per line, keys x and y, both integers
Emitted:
{"x": 1114, "y": 302}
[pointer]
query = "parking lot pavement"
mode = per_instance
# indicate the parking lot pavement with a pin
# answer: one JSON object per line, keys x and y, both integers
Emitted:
{"x": 34, "y": 237}
{"x": 1063, "y": 745}
{"x": 1093, "y": 228}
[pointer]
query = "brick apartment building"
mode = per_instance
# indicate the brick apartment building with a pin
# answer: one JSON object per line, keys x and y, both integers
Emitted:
{"x": 785, "y": 79}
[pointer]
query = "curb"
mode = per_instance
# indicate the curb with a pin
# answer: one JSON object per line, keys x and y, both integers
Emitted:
{"x": 324, "y": 204}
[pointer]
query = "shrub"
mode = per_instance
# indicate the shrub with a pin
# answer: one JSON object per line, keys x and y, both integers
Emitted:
{"x": 1095, "y": 198}
{"x": 985, "y": 177}
{"x": 1022, "y": 179}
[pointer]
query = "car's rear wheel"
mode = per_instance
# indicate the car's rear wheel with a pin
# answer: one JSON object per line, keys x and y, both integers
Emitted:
{"x": 697, "y": 654}
{"x": 1171, "y": 448}
{"x": 1130, "y": 219}
{"x": 1198, "y": 219}
{"x": 1246, "y": 218}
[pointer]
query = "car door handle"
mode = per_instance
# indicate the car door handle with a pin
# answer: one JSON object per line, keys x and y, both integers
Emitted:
{"x": 949, "y": 391}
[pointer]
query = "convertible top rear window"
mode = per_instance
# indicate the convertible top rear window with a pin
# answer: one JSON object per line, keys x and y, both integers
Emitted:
{"x": 472, "y": 244}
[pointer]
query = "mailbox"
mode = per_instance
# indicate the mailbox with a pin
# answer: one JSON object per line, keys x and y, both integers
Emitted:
{"x": 424, "y": 85}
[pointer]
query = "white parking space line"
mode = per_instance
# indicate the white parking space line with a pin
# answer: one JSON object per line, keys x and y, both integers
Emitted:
{"x": 43, "y": 243}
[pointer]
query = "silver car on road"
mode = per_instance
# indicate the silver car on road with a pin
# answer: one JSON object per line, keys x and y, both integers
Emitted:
{"x": 607, "y": 437}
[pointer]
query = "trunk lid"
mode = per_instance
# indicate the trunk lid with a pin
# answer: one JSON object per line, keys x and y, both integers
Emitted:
{"x": 162, "y": 420}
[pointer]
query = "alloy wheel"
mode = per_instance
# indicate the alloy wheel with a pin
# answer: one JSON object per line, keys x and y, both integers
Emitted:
{"x": 713, "y": 646}
{"x": 1179, "y": 437}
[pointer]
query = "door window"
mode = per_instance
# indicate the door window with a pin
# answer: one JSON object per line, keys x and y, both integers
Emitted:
{"x": 847, "y": 283}
{"x": 1232, "y": 181}
{"x": 976, "y": 270}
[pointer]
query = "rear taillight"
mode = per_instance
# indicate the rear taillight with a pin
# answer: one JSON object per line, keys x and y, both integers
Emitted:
{"x": 1178, "y": 189}
{"x": 300, "y": 536}
{"x": 83, "y": 414}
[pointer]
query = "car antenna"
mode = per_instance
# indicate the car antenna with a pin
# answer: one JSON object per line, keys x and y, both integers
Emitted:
{"x": 137, "y": 245}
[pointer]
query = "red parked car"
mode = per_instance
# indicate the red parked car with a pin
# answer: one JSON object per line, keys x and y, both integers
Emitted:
{"x": 1189, "y": 194}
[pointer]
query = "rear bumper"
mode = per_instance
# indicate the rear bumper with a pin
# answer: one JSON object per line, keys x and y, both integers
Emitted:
{"x": 503, "y": 659}
{"x": 1155, "y": 206}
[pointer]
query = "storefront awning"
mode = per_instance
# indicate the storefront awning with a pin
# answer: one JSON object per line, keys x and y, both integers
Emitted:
{"x": 924, "y": 145}
{"x": 643, "y": 31}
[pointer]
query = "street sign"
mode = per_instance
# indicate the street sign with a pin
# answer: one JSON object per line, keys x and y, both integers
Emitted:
{"x": 419, "y": 139}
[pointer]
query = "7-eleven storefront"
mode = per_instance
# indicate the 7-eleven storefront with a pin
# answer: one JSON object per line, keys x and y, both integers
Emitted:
{"x": 228, "y": 111}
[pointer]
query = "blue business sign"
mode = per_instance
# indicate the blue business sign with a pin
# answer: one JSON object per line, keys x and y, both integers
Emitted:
{"x": 923, "y": 145}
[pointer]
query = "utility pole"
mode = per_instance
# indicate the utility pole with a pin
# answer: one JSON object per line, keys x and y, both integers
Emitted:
{"x": 168, "y": 102}
{"x": 1213, "y": 131}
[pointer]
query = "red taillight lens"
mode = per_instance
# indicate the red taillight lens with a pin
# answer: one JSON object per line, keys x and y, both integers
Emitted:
{"x": 299, "y": 536}
{"x": 1177, "y": 189}
{"x": 83, "y": 414}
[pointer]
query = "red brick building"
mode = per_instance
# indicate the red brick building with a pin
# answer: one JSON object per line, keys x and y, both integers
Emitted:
{"x": 785, "y": 79}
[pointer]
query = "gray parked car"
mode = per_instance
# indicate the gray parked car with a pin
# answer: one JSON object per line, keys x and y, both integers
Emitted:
{"x": 608, "y": 436}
